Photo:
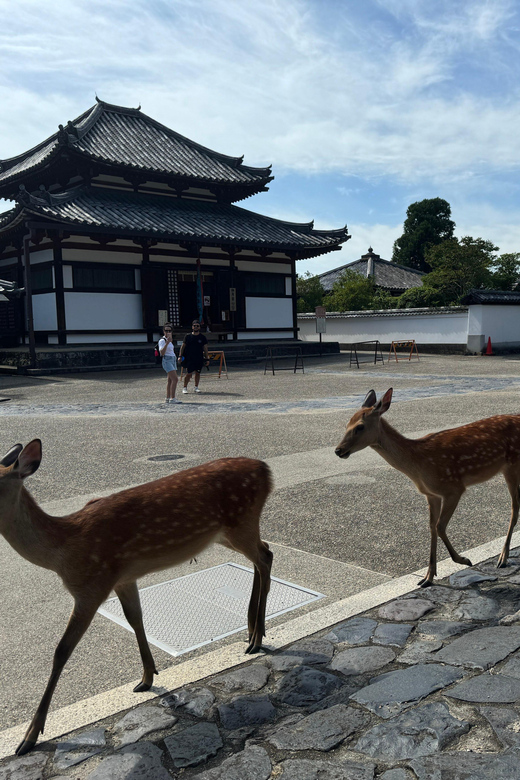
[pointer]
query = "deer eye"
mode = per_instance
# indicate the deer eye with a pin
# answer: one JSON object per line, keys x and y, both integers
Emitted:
{"x": 359, "y": 428}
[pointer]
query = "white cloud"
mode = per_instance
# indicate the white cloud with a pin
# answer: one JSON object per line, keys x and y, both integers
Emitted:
{"x": 268, "y": 79}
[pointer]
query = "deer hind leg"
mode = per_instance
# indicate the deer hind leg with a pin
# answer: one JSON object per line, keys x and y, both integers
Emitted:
{"x": 128, "y": 595}
{"x": 79, "y": 621}
{"x": 512, "y": 477}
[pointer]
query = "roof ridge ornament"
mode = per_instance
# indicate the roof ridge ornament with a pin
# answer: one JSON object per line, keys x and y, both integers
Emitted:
{"x": 22, "y": 195}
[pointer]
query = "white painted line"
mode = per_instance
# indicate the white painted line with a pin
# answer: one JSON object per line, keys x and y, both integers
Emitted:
{"x": 103, "y": 705}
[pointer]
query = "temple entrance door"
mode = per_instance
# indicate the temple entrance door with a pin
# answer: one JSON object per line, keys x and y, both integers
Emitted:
{"x": 188, "y": 310}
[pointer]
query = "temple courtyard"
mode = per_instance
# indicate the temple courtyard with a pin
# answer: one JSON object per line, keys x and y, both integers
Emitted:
{"x": 347, "y": 535}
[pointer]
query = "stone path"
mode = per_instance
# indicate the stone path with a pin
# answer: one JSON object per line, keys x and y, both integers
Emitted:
{"x": 423, "y": 688}
{"x": 447, "y": 386}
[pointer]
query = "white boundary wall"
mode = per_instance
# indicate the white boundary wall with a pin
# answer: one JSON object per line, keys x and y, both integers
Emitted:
{"x": 463, "y": 327}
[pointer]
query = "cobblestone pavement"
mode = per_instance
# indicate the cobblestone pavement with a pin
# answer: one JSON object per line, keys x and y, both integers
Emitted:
{"x": 426, "y": 687}
{"x": 448, "y": 386}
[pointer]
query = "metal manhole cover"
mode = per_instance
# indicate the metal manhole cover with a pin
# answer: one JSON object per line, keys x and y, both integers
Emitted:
{"x": 192, "y": 611}
{"x": 165, "y": 457}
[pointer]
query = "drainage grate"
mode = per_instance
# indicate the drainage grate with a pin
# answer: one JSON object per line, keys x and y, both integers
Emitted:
{"x": 192, "y": 611}
{"x": 155, "y": 458}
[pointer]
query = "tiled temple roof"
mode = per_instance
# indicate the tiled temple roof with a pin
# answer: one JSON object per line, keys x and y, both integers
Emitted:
{"x": 125, "y": 137}
{"x": 488, "y": 297}
{"x": 169, "y": 218}
{"x": 387, "y": 275}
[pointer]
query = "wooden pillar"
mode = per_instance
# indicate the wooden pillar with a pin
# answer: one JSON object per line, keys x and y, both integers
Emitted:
{"x": 59, "y": 290}
{"x": 294, "y": 297}
{"x": 145, "y": 286}
{"x": 28, "y": 298}
{"x": 233, "y": 284}
{"x": 20, "y": 323}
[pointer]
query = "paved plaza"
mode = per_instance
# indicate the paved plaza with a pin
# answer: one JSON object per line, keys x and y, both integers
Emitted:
{"x": 354, "y": 532}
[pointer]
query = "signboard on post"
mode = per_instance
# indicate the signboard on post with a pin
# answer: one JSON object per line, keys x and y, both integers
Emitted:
{"x": 321, "y": 325}
{"x": 232, "y": 299}
{"x": 321, "y": 321}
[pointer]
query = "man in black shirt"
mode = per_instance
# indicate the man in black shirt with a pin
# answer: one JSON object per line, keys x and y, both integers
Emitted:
{"x": 194, "y": 354}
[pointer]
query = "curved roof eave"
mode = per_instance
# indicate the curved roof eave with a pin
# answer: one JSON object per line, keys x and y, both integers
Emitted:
{"x": 82, "y": 124}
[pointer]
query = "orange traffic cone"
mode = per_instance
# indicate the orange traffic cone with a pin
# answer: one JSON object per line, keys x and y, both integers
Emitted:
{"x": 489, "y": 350}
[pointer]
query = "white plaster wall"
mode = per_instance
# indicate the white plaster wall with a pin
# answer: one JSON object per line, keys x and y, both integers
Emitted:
{"x": 269, "y": 312}
{"x": 267, "y": 268}
{"x": 445, "y": 328}
{"x": 262, "y": 334}
{"x": 85, "y": 255}
{"x": 106, "y": 338}
{"x": 501, "y": 323}
{"x": 44, "y": 312}
{"x": 103, "y": 311}
{"x": 42, "y": 256}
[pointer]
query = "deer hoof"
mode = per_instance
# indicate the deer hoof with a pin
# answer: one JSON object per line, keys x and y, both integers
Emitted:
{"x": 425, "y": 583}
{"x": 142, "y": 687}
{"x": 252, "y": 648}
{"x": 25, "y": 746}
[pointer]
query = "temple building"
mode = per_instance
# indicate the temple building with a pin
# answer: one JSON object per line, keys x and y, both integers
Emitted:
{"x": 393, "y": 278}
{"x": 120, "y": 224}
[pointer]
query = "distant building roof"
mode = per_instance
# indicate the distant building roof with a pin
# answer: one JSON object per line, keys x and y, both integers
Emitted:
{"x": 124, "y": 137}
{"x": 387, "y": 275}
{"x": 487, "y": 297}
{"x": 137, "y": 214}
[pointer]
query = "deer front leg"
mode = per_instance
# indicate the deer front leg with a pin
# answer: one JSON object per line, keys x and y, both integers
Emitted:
{"x": 434, "y": 503}
{"x": 449, "y": 504}
{"x": 79, "y": 621}
{"x": 128, "y": 595}
{"x": 512, "y": 479}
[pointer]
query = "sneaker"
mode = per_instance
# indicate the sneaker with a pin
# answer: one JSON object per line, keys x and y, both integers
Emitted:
{"x": 197, "y": 390}
{"x": 175, "y": 401}
{"x": 184, "y": 389}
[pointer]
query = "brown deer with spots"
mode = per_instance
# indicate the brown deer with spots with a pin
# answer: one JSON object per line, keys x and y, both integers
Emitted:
{"x": 113, "y": 541}
{"x": 442, "y": 465}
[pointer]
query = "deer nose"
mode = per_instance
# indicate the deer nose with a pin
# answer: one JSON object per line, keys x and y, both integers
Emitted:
{"x": 339, "y": 452}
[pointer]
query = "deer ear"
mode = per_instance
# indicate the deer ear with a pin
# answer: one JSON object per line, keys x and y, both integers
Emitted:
{"x": 383, "y": 404}
{"x": 370, "y": 399}
{"x": 10, "y": 457}
{"x": 29, "y": 459}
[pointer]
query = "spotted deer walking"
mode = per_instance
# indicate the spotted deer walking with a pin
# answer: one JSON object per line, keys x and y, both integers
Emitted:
{"x": 442, "y": 465}
{"x": 113, "y": 541}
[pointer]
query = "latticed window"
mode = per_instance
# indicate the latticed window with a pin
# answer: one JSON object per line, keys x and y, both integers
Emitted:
{"x": 41, "y": 278}
{"x": 104, "y": 278}
{"x": 264, "y": 284}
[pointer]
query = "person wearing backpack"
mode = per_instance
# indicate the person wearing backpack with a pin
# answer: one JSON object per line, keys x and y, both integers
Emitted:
{"x": 169, "y": 363}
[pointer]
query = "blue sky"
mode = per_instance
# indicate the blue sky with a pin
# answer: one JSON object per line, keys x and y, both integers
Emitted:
{"x": 361, "y": 107}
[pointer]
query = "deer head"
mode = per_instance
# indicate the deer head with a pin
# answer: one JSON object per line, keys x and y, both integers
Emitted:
{"x": 17, "y": 464}
{"x": 363, "y": 427}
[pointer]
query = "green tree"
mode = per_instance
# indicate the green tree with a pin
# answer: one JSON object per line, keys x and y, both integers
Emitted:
{"x": 506, "y": 271}
{"x": 383, "y": 300}
{"x": 428, "y": 223}
{"x": 351, "y": 292}
{"x": 310, "y": 292}
{"x": 419, "y": 298}
{"x": 457, "y": 267}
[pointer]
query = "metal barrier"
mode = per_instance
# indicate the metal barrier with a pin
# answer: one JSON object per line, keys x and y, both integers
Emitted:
{"x": 271, "y": 355}
{"x": 376, "y": 346}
